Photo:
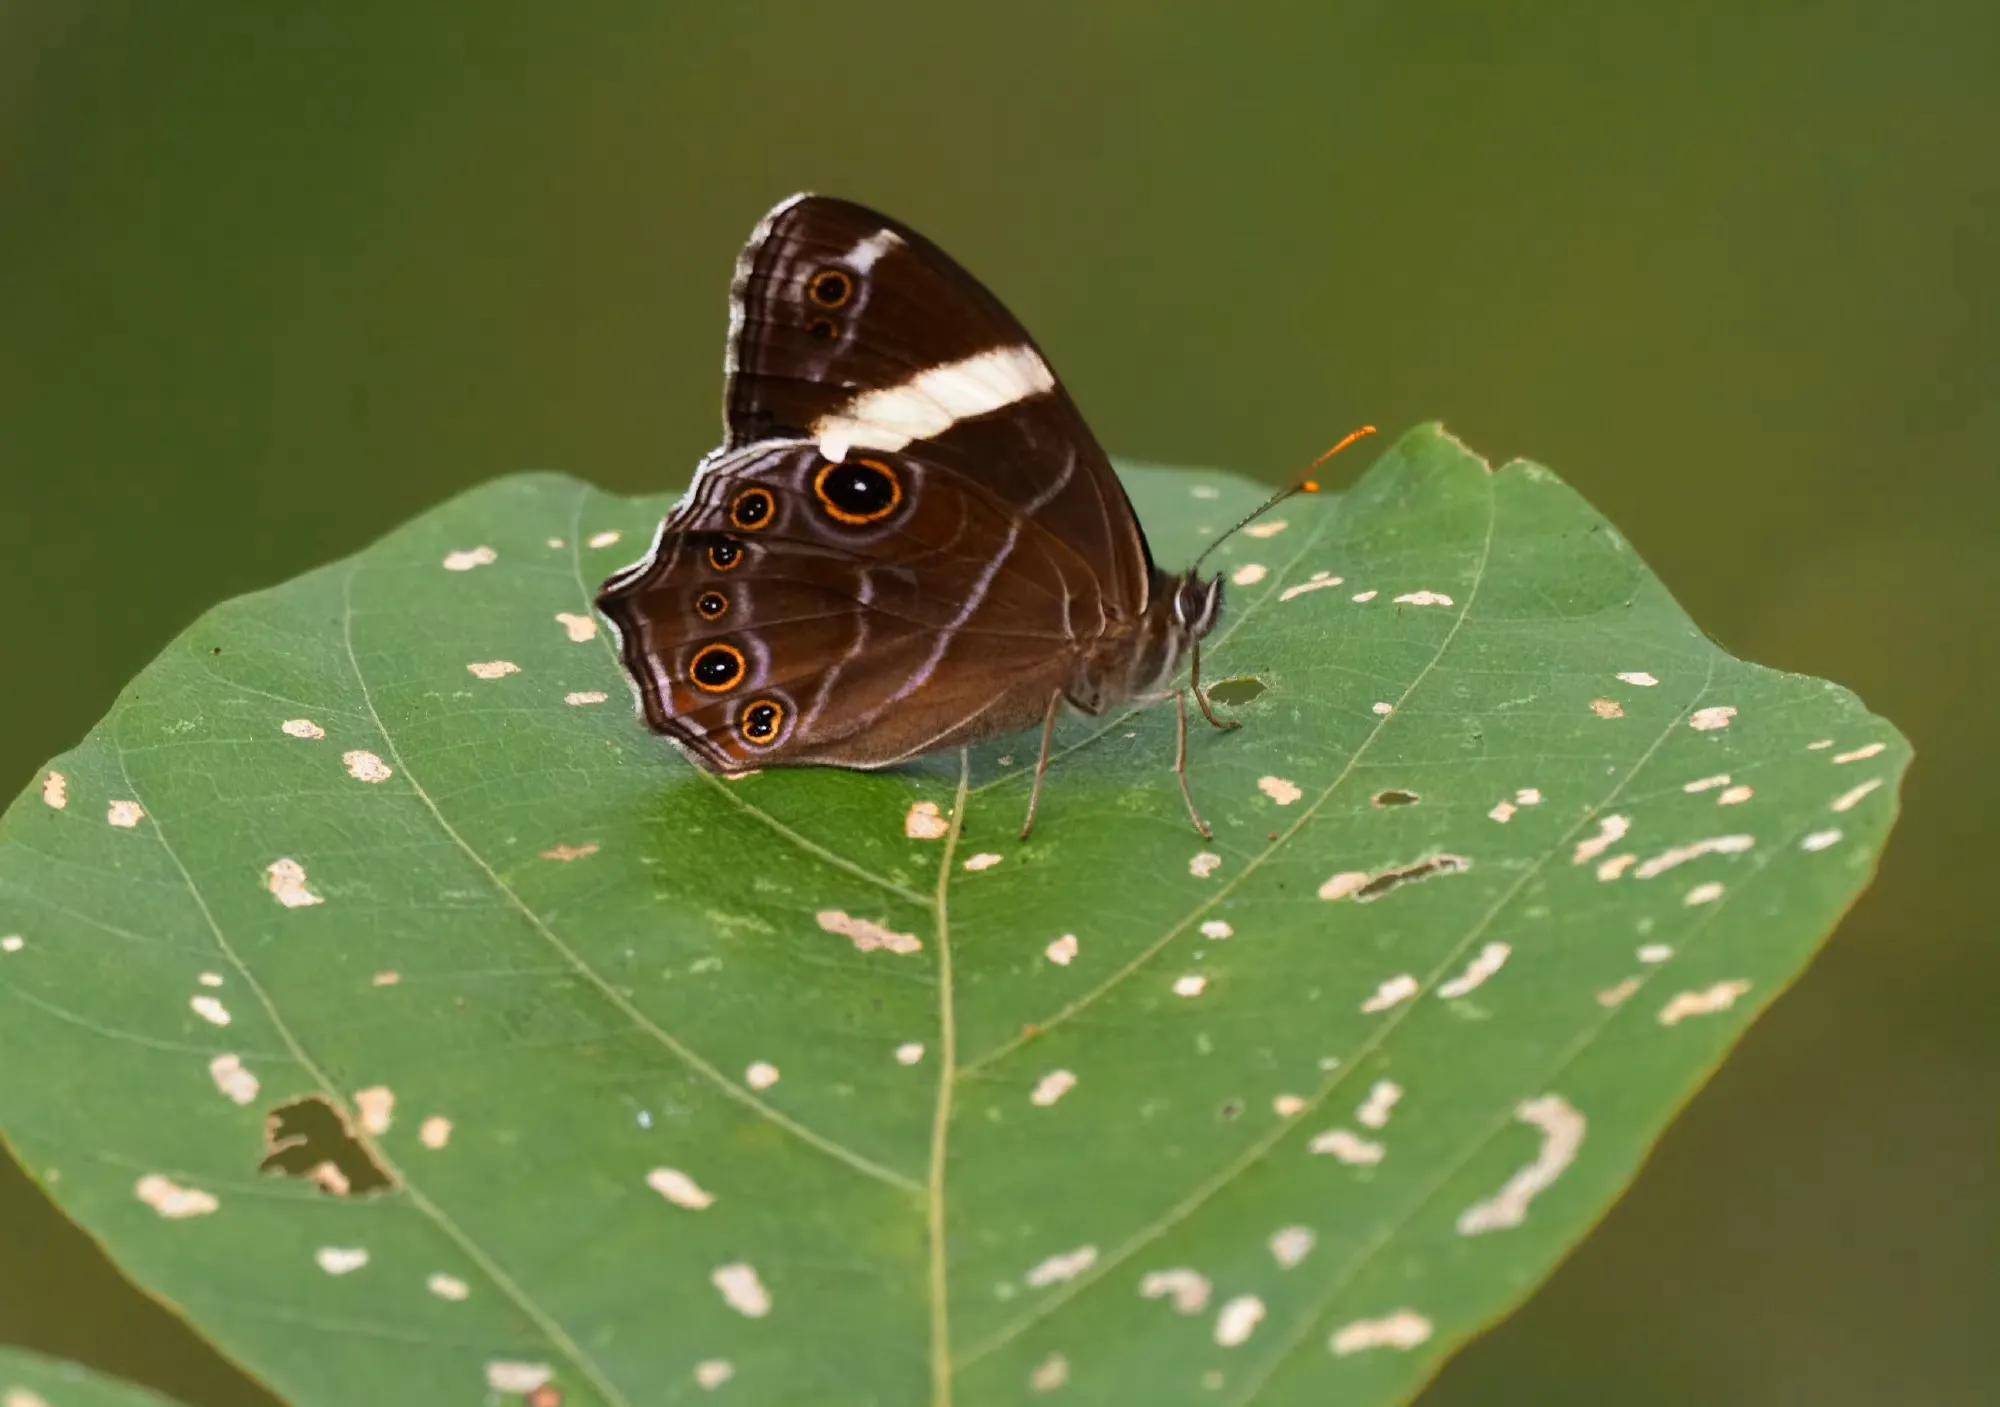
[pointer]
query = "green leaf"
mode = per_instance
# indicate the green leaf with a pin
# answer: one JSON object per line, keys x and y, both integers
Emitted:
{"x": 31, "y": 1380}
{"x": 800, "y": 1080}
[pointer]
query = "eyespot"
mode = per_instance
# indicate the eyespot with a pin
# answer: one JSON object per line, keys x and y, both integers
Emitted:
{"x": 831, "y": 288}
{"x": 725, "y": 555}
{"x": 717, "y": 668}
{"x": 761, "y": 721}
{"x": 822, "y": 329}
{"x": 711, "y": 605}
{"x": 858, "y": 492}
{"x": 752, "y": 509}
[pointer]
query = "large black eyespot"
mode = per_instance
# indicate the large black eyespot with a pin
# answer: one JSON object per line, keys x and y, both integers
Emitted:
{"x": 831, "y": 288}
{"x": 752, "y": 509}
{"x": 726, "y": 555}
{"x": 861, "y": 491}
{"x": 760, "y": 721}
{"x": 711, "y": 605}
{"x": 717, "y": 668}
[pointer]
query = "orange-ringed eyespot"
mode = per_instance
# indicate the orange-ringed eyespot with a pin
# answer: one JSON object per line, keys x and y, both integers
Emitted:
{"x": 760, "y": 721}
{"x": 830, "y": 288}
{"x": 858, "y": 492}
{"x": 716, "y": 668}
{"x": 725, "y": 555}
{"x": 711, "y": 605}
{"x": 752, "y": 509}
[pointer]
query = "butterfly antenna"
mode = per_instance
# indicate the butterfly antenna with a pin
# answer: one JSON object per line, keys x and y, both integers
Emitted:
{"x": 1305, "y": 483}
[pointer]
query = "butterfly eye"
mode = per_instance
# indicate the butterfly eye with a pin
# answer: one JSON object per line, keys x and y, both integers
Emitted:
{"x": 761, "y": 720}
{"x": 752, "y": 509}
{"x": 864, "y": 491}
{"x": 725, "y": 555}
{"x": 830, "y": 288}
{"x": 711, "y": 605}
{"x": 717, "y": 668}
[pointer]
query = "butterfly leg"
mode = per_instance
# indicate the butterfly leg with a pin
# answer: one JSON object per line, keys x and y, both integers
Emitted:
{"x": 1201, "y": 697}
{"x": 1180, "y": 762}
{"x": 1041, "y": 762}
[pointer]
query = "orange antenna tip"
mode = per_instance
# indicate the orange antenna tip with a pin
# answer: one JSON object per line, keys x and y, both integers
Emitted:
{"x": 1309, "y": 486}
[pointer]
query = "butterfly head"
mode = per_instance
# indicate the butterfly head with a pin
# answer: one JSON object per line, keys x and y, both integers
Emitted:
{"x": 1197, "y": 603}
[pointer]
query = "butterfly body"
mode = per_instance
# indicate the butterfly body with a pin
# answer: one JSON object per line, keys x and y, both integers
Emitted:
{"x": 909, "y": 539}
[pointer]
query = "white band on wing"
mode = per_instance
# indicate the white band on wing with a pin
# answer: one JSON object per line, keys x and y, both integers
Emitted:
{"x": 933, "y": 401}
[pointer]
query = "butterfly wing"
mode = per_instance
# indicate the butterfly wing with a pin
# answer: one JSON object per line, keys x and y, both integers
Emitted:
{"x": 855, "y": 332}
{"x": 794, "y": 611}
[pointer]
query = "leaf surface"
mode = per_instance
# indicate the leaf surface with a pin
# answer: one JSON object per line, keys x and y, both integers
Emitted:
{"x": 824, "y": 1087}
{"x": 32, "y": 1380}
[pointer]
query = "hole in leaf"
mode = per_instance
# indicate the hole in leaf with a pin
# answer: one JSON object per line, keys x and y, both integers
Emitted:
{"x": 1231, "y": 1109}
{"x": 1410, "y": 874}
{"x": 1236, "y": 692}
{"x": 311, "y": 1139}
{"x": 1394, "y": 797}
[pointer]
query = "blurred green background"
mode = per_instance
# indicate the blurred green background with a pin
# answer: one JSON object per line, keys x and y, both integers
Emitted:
{"x": 275, "y": 277}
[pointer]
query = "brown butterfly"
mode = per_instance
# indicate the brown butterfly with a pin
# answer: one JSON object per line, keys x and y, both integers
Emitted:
{"x": 908, "y": 540}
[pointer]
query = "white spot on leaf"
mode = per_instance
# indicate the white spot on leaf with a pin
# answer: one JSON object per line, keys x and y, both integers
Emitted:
{"x": 55, "y": 791}
{"x": 578, "y": 628}
{"x": 303, "y": 728}
{"x": 1383, "y": 708}
{"x": 1423, "y": 598}
{"x": 340, "y": 1260}
{"x": 1059, "y": 1268}
{"x": 1348, "y": 1146}
{"x": 1706, "y": 1002}
{"x": 1393, "y": 992}
{"x": 448, "y": 1287}
{"x": 1610, "y": 830}
{"x": 1503, "y": 812}
{"x": 1851, "y": 798}
{"x": 435, "y": 1132}
{"x": 584, "y": 697}
{"x": 1694, "y": 850}
{"x": 868, "y": 935}
{"x": 366, "y": 766}
{"x": 680, "y": 1189}
{"x": 1562, "y": 1129}
{"x": 1859, "y": 754}
{"x": 1382, "y": 1099}
{"x": 1191, "y": 985}
{"x": 1051, "y": 1087}
{"x": 712, "y": 1373}
{"x": 925, "y": 822}
{"x": 286, "y": 879}
{"x": 468, "y": 558}
{"x": 376, "y": 1107}
{"x": 1820, "y": 840}
{"x": 1216, "y": 928}
{"x": 1608, "y": 870}
{"x": 1404, "y": 1330}
{"x": 1287, "y": 1106}
{"x": 761, "y": 1075}
{"x": 493, "y": 669}
{"x": 1638, "y": 678}
{"x": 235, "y": 1081}
{"x": 1237, "y": 1320}
{"x": 1735, "y": 796}
{"x": 1362, "y": 598}
{"x": 1699, "y": 784}
{"x": 1204, "y": 864}
{"x": 1279, "y": 790}
{"x": 604, "y": 539}
{"x": 1703, "y": 894}
{"x": 1343, "y": 884}
{"x": 1187, "y": 1289}
{"x": 1290, "y": 1245}
{"x": 1321, "y": 581}
{"x": 125, "y": 814}
{"x": 985, "y": 860}
{"x": 1051, "y": 1374}
{"x": 1607, "y": 708}
{"x": 1655, "y": 953}
{"x": 509, "y": 1375}
{"x": 1249, "y": 574}
{"x": 171, "y": 1200}
{"x": 1489, "y": 960}
{"x": 570, "y": 854}
{"x": 741, "y": 1290}
{"x": 1271, "y": 527}
{"x": 909, "y": 1052}
{"x": 12, "y": 943}
{"x": 1062, "y": 951}
{"x": 1707, "y": 720}
{"x": 210, "y": 1010}
{"x": 1618, "y": 995}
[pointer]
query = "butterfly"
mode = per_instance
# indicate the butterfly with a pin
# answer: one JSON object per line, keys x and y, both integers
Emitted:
{"x": 908, "y": 539}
